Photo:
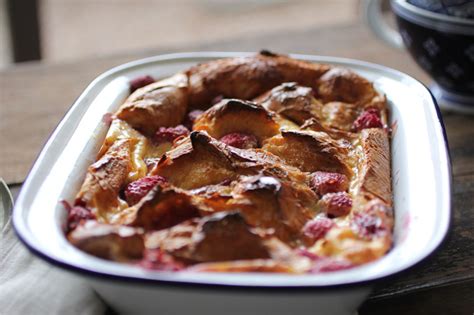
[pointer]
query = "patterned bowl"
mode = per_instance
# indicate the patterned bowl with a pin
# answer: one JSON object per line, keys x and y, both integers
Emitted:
{"x": 444, "y": 47}
{"x": 459, "y": 8}
{"x": 439, "y": 35}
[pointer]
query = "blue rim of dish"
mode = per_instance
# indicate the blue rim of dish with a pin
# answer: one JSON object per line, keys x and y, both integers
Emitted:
{"x": 432, "y": 20}
{"x": 20, "y": 228}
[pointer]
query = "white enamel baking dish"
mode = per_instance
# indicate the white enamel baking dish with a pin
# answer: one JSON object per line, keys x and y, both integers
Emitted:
{"x": 421, "y": 187}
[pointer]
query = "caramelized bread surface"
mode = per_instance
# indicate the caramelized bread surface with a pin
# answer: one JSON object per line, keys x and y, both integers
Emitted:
{"x": 261, "y": 163}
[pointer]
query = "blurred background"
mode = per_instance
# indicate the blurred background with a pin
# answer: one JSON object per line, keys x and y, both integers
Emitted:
{"x": 68, "y": 30}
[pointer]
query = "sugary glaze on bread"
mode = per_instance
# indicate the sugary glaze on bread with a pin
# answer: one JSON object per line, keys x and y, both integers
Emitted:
{"x": 284, "y": 167}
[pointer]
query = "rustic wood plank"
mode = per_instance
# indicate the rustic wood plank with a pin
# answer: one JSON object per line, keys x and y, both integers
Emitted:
{"x": 454, "y": 299}
{"x": 460, "y": 129}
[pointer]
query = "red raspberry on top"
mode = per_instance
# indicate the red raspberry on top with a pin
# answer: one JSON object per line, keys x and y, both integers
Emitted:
{"x": 136, "y": 190}
{"x": 368, "y": 224}
{"x": 370, "y": 118}
{"x": 139, "y": 82}
{"x": 336, "y": 204}
{"x": 317, "y": 228}
{"x": 325, "y": 182}
{"x": 77, "y": 215}
{"x": 169, "y": 134}
{"x": 240, "y": 140}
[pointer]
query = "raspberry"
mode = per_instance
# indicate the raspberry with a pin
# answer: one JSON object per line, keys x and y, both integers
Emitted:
{"x": 156, "y": 259}
{"x": 191, "y": 118}
{"x": 136, "y": 190}
{"x": 336, "y": 204}
{"x": 330, "y": 264}
{"x": 77, "y": 215}
{"x": 325, "y": 182}
{"x": 370, "y": 118}
{"x": 368, "y": 225}
{"x": 139, "y": 82}
{"x": 169, "y": 134}
{"x": 317, "y": 228}
{"x": 240, "y": 140}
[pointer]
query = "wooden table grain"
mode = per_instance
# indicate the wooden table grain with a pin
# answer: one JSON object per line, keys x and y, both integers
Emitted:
{"x": 34, "y": 97}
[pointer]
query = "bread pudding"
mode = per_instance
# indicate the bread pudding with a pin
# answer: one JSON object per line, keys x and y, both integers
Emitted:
{"x": 252, "y": 164}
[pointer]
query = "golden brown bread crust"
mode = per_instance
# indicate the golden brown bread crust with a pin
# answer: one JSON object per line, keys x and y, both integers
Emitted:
{"x": 310, "y": 151}
{"x": 247, "y": 77}
{"x": 339, "y": 115}
{"x": 196, "y": 161}
{"x": 293, "y": 101}
{"x": 200, "y": 161}
{"x": 269, "y": 203}
{"x": 280, "y": 207}
{"x": 111, "y": 242}
{"x": 282, "y": 190}
{"x": 104, "y": 179}
{"x": 298, "y": 104}
{"x": 161, "y": 208}
{"x": 282, "y": 260}
{"x": 223, "y": 236}
{"x": 273, "y": 206}
{"x": 343, "y": 85}
{"x": 160, "y": 104}
{"x": 232, "y": 115}
{"x": 375, "y": 167}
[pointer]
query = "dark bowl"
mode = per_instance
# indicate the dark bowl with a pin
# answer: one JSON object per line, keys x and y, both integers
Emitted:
{"x": 443, "y": 46}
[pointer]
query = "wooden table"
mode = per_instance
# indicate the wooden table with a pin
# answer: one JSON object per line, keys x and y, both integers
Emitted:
{"x": 34, "y": 97}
